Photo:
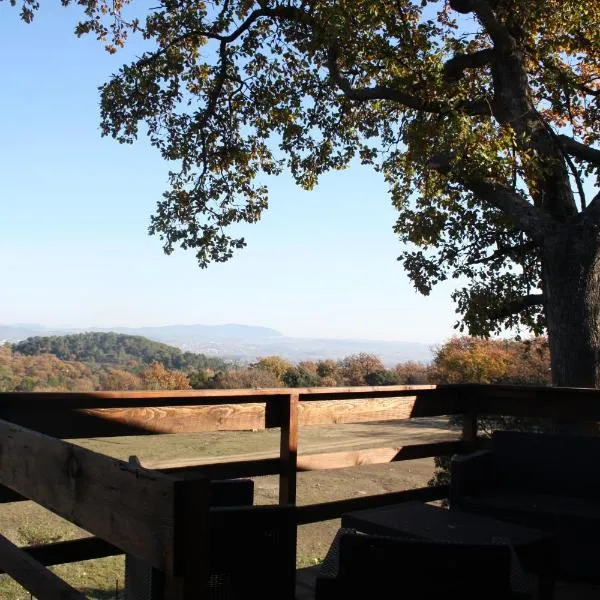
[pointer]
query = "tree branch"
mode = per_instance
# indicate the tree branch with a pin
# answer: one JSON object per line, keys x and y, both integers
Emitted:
{"x": 513, "y": 252}
{"x": 512, "y": 307}
{"x": 499, "y": 33}
{"x": 523, "y": 215}
{"x": 592, "y": 212}
{"x": 455, "y": 67}
{"x": 377, "y": 92}
{"x": 579, "y": 150}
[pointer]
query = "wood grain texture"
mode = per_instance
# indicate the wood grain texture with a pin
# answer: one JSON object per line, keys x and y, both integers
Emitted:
{"x": 374, "y": 456}
{"x": 127, "y": 506}
{"x": 69, "y": 400}
{"x": 268, "y": 463}
{"x": 103, "y": 422}
{"x": 288, "y": 451}
{"x": 33, "y": 576}
{"x": 101, "y": 414}
{"x": 329, "y": 412}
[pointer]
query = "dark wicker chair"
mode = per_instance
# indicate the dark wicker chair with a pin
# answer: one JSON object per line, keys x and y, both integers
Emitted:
{"x": 251, "y": 550}
{"x": 545, "y": 481}
{"x": 361, "y": 566}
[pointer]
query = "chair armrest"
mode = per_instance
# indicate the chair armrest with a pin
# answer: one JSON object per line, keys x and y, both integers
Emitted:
{"x": 469, "y": 473}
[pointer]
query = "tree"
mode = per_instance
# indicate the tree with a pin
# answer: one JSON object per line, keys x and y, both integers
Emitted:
{"x": 413, "y": 372}
{"x": 119, "y": 380}
{"x": 245, "y": 377}
{"x": 482, "y": 116}
{"x": 273, "y": 364}
{"x": 357, "y": 367}
{"x": 156, "y": 377}
{"x": 474, "y": 360}
{"x": 300, "y": 377}
{"x": 383, "y": 377}
{"x": 471, "y": 360}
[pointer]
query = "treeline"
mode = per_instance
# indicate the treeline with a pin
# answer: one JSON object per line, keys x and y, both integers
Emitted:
{"x": 115, "y": 349}
{"x": 274, "y": 371}
{"x": 48, "y": 373}
{"x": 26, "y": 367}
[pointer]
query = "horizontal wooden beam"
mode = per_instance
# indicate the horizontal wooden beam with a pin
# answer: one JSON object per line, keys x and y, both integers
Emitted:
{"x": 70, "y": 551}
{"x": 315, "y": 513}
{"x": 33, "y": 576}
{"x": 226, "y": 469}
{"x": 132, "y": 508}
{"x": 99, "y": 422}
{"x": 330, "y": 412}
{"x": 268, "y": 463}
{"x": 70, "y": 400}
{"x": 374, "y": 456}
{"x": 576, "y": 404}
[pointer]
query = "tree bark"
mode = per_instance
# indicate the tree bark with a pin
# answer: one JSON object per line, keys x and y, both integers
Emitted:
{"x": 571, "y": 258}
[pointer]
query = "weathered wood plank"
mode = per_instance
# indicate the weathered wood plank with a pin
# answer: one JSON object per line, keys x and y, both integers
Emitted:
{"x": 33, "y": 576}
{"x": 314, "y": 513}
{"x": 268, "y": 463}
{"x": 101, "y": 422}
{"x": 129, "y": 507}
{"x": 374, "y": 456}
{"x": 288, "y": 451}
{"x": 70, "y": 400}
{"x": 329, "y": 412}
{"x": 70, "y": 551}
{"x": 108, "y": 422}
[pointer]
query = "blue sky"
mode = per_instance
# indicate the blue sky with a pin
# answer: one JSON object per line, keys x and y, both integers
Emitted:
{"x": 74, "y": 249}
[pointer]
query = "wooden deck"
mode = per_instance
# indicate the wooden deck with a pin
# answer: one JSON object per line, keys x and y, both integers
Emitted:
{"x": 159, "y": 515}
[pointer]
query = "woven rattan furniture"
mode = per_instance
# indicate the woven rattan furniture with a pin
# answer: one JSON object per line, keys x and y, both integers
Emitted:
{"x": 360, "y": 566}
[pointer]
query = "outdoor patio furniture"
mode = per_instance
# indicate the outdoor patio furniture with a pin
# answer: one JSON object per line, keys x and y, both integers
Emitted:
{"x": 243, "y": 539}
{"x": 534, "y": 551}
{"x": 360, "y": 566}
{"x": 540, "y": 480}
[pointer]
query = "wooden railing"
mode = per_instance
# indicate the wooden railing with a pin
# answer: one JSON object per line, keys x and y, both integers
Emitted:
{"x": 155, "y": 511}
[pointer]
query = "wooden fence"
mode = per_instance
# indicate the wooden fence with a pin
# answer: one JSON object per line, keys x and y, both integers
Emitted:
{"x": 159, "y": 513}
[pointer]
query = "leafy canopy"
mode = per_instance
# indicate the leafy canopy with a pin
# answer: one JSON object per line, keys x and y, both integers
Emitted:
{"x": 232, "y": 91}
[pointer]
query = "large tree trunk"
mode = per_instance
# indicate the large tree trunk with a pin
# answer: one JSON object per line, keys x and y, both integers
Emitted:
{"x": 572, "y": 288}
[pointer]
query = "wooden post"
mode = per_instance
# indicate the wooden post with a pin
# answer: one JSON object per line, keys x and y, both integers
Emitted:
{"x": 191, "y": 551}
{"x": 287, "y": 480}
{"x": 288, "y": 451}
{"x": 469, "y": 431}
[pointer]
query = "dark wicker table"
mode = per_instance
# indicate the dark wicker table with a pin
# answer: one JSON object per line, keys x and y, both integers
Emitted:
{"x": 536, "y": 550}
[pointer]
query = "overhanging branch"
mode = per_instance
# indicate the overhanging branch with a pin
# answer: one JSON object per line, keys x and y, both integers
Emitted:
{"x": 498, "y": 32}
{"x": 523, "y": 215}
{"x": 376, "y": 92}
{"x": 513, "y": 307}
{"x": 512, "y": 252}
{"x": 579, "y": 150}
{"x": 458, "y": 64}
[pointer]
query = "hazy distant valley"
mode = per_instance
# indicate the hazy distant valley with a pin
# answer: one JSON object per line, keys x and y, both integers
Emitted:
{"x": 244, "y": 342}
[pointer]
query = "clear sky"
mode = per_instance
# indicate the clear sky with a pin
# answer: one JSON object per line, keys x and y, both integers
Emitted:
{"x": 74, "y": 249}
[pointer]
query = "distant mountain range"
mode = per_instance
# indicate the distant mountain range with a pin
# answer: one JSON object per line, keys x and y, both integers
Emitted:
{"x": 243, "y": 342}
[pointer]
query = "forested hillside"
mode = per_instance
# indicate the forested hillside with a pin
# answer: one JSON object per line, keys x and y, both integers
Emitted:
{"x": 109, "y": 361}
{"x": 115, "y": 349}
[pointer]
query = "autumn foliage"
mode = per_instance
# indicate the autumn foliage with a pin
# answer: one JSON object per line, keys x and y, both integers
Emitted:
{"x": 459, "y": 360}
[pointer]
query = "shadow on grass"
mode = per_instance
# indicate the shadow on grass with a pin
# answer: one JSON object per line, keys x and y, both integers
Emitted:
{"x": 103, "y": 594}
